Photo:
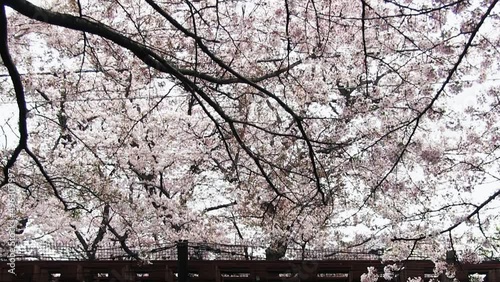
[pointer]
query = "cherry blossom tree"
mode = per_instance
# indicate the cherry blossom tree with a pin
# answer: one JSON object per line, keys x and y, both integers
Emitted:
{"x": 301, "y": 124}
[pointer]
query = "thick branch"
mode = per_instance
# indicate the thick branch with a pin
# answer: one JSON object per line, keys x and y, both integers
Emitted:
{"x": 19, "y": 91}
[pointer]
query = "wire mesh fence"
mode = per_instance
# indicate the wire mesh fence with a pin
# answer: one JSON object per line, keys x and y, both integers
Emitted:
{"x": 196, "y": 251}
{"x": 75, "y": 252}
{"x": 204, "y": 251}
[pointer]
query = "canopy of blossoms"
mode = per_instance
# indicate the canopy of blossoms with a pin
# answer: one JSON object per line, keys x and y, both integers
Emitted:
{"x": 304, "y": 124}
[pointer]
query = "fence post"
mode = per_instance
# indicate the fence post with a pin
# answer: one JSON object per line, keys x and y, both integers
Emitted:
{"x": 182, "y": 261}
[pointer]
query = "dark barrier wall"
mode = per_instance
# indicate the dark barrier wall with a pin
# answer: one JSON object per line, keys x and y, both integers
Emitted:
{"x": 291, "y": 270}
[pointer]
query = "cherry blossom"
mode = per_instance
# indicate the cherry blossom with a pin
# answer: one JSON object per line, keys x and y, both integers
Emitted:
{"x": 371, "y": 276}
{"x": 285, "y": 124}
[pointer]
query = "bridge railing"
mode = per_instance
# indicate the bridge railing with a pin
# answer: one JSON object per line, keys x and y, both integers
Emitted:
{"x": 196, "y": 250}
{"x": 229, "y": 271}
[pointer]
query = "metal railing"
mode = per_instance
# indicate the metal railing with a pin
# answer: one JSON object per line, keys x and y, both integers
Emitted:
{"x": 196, "y": 251}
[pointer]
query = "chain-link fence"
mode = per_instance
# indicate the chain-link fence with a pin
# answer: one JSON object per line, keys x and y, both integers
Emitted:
{"x": 205, "y": 251}
{"x": 74, "y": 252}
{"x": 196, "y": 251}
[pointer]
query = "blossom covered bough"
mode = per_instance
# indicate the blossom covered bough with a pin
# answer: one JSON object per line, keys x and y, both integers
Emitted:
{"x": 303, "y": 124}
